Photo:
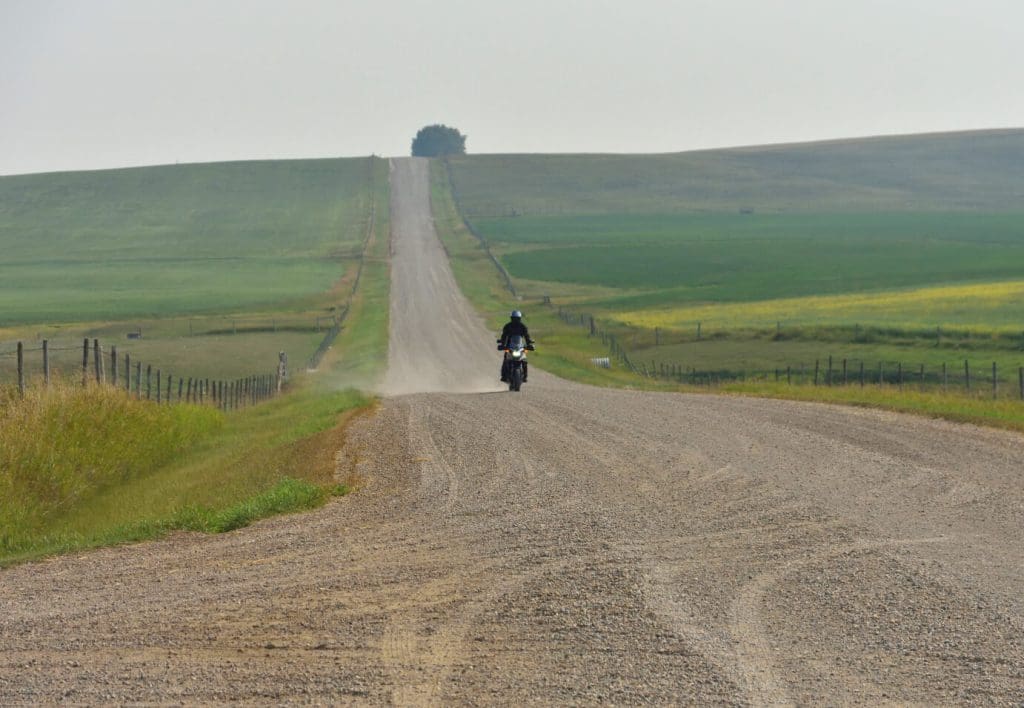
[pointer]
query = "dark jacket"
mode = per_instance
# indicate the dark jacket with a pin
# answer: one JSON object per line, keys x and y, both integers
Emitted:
{"x": 513, "y": 328}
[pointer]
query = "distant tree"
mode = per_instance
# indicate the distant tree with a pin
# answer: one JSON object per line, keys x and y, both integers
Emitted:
{"x": 435, "y": 140}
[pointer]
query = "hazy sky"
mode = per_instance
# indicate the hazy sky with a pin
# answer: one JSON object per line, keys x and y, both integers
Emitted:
{"x": 90, "y": 83}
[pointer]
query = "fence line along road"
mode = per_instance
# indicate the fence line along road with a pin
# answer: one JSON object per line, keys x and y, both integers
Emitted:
{"x": 154, "y": 384}
{"x": 826, "y": 371}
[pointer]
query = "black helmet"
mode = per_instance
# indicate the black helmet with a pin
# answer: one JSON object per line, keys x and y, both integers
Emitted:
{"x": 516, "y": 315}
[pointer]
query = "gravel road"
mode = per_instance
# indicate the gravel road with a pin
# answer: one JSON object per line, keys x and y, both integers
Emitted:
{"x": 564, "y": 545}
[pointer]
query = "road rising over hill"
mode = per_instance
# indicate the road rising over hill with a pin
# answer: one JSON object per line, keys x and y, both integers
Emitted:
{"x": 565, "y": 544}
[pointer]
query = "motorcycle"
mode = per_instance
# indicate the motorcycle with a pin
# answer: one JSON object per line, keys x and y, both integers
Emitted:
{"x": 515, "y": 360}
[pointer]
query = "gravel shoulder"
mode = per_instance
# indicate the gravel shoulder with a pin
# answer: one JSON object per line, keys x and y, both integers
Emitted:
{"x": 564, "y": 545}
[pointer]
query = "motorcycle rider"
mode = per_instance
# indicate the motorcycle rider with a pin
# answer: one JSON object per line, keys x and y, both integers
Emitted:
{"x": 512, "y": 328}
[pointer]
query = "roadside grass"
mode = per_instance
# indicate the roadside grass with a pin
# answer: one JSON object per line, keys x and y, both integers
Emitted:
{"x": 360, "y": 354}
{"x": 178, "y": 239}
{"x": 62, "y": 446}
{"x": 979, "y": 410}
{"x": 172, "y": 467}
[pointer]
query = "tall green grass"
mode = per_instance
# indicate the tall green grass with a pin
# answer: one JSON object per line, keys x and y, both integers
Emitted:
{"x": 61, "y": 447}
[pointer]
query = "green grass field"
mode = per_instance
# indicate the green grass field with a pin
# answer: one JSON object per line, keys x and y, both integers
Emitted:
{"x": 220, "y": 265}
{"x": 178, "y": 239}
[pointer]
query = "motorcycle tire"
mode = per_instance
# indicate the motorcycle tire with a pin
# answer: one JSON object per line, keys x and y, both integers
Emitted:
{"x": 517, "y": 379}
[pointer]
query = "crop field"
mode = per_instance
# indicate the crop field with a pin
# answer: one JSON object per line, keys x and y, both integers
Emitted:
{"x": 219, "y": 265}
{"x": 177, "y": 239}
{"x": 782, "y": 254}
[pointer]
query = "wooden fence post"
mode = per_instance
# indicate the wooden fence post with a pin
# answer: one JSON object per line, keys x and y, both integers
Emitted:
{"x": 1020, "y": 380}
{"x": 967, "y": 375}
{"x": 113, "y": 364}
{"x": 158, "y": 389}
{"x": 828, "y": 376}
{"x": 46, "y": 362}
{"x": 21, "y": 369}
{"x": 181, "y": 385}
{"x": 844, "y": 373}
{"x": 862, "y": 373}
{"x": 97, "y": 360}
{"x": 881, "y": 373}
{"x": 899, "y": 373}
{"x": 138, "y": 380}
{"x": 922, "y": 375}
{"x": 282, "y": 369}
{"x": 149, "y": 382}
{"x": 817, "y": 365}
{"x": 995, "y": 381}
{"x": 945, "y": 377}
{"x": 85, "y": 361}
{"x": 168, "y": 396}
{"x": 698, "y": 330}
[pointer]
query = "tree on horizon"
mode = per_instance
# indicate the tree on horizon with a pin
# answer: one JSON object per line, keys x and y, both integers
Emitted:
{"x": 438, "y": 140}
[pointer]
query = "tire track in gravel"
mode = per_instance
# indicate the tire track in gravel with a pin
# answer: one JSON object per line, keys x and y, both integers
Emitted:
{"x": 565, "y": 545}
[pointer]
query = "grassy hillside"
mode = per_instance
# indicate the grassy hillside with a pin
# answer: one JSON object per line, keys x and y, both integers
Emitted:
{"x": 177, "y": 239}
{"x": 975, "y": 171}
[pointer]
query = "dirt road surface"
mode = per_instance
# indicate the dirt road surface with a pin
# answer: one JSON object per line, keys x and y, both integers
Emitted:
{"x": 565, "y": 545}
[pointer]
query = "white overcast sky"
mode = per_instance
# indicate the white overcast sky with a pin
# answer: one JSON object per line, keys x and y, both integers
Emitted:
{"x": 107, "y": 83}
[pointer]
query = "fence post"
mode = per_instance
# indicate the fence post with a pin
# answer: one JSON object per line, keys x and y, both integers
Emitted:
{"x": 922, "y": 375}
{"x": 113, "y": 364}
{"x": 862, "y": 373}
{"x": 881, "y": 373}
{"x": 817, "y": 364}
{"x": 698, "y": 330}
{"x": 158, "y": 386}
{"x": 789, "y": 375}
{"x": 46, "y": 362}
{"x": 945, "y": 377}
{"x": 21, "y": 369}
{"x": 899, "y": 373}
{"x": 1020, "y": 380}
{"x": 85, "y": 361}
{"x": 149, "y": 382}
{"x": 593, "y": 326}
{"x": 138, "y": 380}
{"x": 845, "y": 381}
{"x": 828, "y": 376}
{"x": 168, "y": 397}
{"x": 97, "y": 360}
{"x": 967, "y": 375}
{"x": 995, "y": 381}
{"x": 282, "y": 369}
{"x": 181, "y": 384}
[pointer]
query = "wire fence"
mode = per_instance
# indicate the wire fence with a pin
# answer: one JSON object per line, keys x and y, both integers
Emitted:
{"x": 93, "y": 364}
{"x": 970, "y": 378}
